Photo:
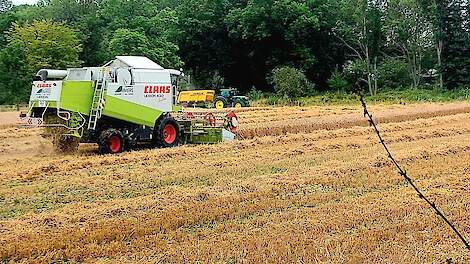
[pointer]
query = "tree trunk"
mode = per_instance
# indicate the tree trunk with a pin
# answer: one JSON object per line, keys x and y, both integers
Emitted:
{"x": 419, "y": 68}
{"x": 439, "y": 62}
{"x": 368, "y": 61}
{"x": 369, "y": 72}
{"x": 414, "y": 71}
{"x": 375, "y": 76}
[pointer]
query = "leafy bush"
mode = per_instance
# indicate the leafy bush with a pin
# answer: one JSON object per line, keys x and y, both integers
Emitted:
{"x": 393, "y": 73}
{"x": 273, "y": 100}
{"x": 291, "y": 83}
{"x": 338, "y": 81}
{"x": 255, "y": 94}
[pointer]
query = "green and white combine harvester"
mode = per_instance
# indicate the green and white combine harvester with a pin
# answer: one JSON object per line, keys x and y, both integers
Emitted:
{"x": 129, "y": 101}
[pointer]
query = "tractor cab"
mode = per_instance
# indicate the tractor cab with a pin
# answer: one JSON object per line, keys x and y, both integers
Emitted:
{"x": 229, "y": 92}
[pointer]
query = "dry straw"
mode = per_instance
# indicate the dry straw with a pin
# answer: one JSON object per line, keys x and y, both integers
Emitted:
{"x": 403, "y": 173}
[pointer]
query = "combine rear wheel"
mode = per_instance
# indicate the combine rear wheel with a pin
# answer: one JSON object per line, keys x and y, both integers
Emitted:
{"x": 166, "y": 133}
{"x": 111, "y": 141}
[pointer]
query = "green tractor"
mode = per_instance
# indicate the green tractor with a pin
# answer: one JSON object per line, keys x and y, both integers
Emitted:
{"x": 127, "y": 102}
{"x": 230, "y": 98}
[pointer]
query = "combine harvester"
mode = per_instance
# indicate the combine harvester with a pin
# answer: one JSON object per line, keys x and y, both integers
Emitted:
{"x": 129, "y": 101}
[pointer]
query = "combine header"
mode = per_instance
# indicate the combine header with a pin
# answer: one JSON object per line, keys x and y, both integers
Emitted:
{"x": 129, "y": 101}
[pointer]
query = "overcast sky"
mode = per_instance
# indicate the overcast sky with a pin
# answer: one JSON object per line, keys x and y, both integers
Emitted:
{"x": 20, "y": 2}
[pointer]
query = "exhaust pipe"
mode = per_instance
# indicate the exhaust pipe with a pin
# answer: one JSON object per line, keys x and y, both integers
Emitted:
{"x": 45, "y": 74}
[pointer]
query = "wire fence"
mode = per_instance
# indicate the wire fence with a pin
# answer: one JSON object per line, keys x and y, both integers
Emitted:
{"x": 410, "y": 181}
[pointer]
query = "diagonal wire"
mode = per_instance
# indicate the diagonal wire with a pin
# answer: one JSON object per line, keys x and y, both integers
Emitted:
{"x": 403, "y": 173}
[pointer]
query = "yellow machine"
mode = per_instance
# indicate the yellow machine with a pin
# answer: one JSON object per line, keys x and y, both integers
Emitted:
{"x": 208, "y": 98}
{"x": 196, "y": 97}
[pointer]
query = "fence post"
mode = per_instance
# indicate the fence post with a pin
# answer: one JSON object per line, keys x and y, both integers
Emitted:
{"x": 17, "y": 107}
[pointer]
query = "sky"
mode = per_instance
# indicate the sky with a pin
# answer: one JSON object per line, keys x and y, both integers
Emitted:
{"x": 20, "y": 2}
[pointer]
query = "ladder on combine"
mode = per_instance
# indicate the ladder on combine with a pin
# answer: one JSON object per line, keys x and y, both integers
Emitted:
{"x": 97, "y": 104}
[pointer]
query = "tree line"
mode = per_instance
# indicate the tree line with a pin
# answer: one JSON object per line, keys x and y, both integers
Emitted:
{"x": 248, "y": 44}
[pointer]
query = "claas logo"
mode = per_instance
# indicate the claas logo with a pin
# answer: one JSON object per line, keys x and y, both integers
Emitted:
{"x": 44, "y": 85}
{"x": 157, "y": 89}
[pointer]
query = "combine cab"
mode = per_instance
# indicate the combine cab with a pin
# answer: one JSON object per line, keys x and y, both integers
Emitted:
{"x": 129, "y": 101}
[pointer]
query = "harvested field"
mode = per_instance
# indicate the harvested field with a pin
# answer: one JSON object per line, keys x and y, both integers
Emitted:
{"x": 278, "y": 121}
{"x": 308, "y": 185}
{"x": 8, "y": 119}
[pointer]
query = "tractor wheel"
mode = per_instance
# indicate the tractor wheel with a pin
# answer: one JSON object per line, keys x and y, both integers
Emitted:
{"x": 111, "y": 141}
{"x": 220, "y": 102}
{"x": 65, "y": 144}
{"x": 167, "y": 133}
{"x": 238, "y": 105}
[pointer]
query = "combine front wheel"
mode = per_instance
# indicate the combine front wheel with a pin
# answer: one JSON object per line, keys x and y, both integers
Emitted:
{"x": 167, "y": 133}
{"x": 111, "y": 141}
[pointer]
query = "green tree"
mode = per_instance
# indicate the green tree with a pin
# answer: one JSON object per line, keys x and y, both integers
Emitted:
{"x": 41, "y": 44}
{"x": 83, "y": 17}
{"x": 138, "y": 14}
{"x": 15, "y": 80}
{"x": 360, "y": 28}
{"x": 204, "y": 43}
{"x": 450, "y": 20}
{"x": 456, "y": 47}
{"x": 282, "y": 25}
{"x": 7, "y": 19}
{"x": 5, "y": 5}
{"x": 29, "y": 13}
{"x": 410, "y": 32}
{"x": 433, "y": 10}
{"x": 47, "y": 44}
{"x": 131, "y": 42}
{"x": 149, "y": 28}
{"x": 127, "y": 42}
{"x": 70, "y": 12}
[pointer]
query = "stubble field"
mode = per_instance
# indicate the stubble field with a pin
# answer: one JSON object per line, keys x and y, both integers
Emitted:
{"x": 306, "y": 185}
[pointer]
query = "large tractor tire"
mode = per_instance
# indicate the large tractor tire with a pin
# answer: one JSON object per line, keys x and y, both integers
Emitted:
{"x": 65, "y": 144}
{"x": 220, "y": 102}
{"x": 238, "y": 104}
{"x": 167, "y": 133}
{"x": 111, "y": 141}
